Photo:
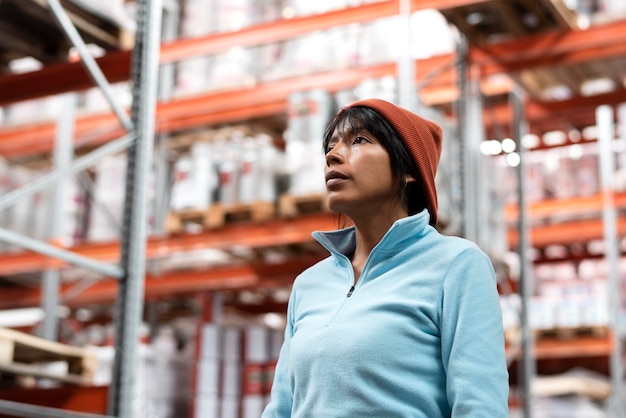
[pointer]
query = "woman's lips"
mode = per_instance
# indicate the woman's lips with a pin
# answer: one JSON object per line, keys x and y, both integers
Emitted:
{"x": 334, "y": 178}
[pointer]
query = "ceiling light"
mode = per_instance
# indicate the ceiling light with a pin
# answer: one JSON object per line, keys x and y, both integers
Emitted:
{"x": 554, "y": 138}
{"x": 513, "y": 159}
{"x": 508, "y": 145}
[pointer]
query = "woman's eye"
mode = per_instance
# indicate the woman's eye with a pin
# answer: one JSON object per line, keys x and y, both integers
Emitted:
{"x": 359, "y": 139}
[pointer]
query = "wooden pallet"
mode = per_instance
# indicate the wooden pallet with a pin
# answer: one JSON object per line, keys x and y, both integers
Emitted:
{"x": 294, "y": 205}
{"x": 26, "y": 355}
{"x": 30, "y": 30}
{"x": 566, "y": 333}
{"x": 218, "y": 215}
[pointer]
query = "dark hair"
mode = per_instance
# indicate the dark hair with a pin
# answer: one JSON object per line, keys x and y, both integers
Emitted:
{"x": 350, "y": 120}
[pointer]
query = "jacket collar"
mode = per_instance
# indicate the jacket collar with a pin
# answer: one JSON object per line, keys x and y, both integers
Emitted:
{"x": 342, "y": 241}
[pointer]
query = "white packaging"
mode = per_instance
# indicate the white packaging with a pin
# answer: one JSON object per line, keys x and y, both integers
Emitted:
{"x": 231, "y": 378}
{"x": 196, "y": 18}
{"x": 228, "y": 171}
{"x": 308, "y": 113}
{"x": 248, "y": 172}
{"x": 306, "y": 163}
{"x": 34, "y": 110}
{"x": 41, "y": 211}
{"x": 210, "y": 341}
{"x": 380, "y": 41}
{"x": 542, "y": 313}
{"x": 204, "y": 174}
{"x": 269, "y": 158}
{"x": 256, "y": 344}
{"x": 232, "y": 68}
{"x": 233, "y": 15}
{"x": 106, "y": 214}
{"x": 231, "y": 340}
{"x": 182, "y": 195}
{"x": 345, "y": 46}
{"x": 229, "y": 407}
{"x": 94, "y": 100}
{"x": 568, "y": 313}
{"x": 207, "y": 405}
{"x": 384, "y": 88}
{"x": 192, "y": 75}
{"x": 22, "y": 209}
{"x": 425, "y": 23}
{"x": 208, "y": 375}
{"x": 588, "y": 175}
{"x": 594, "y": 312}
{"x": 252, "y": 406}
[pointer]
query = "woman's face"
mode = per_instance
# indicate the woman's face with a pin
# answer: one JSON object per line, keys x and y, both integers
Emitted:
{"x": 358, "y": 172}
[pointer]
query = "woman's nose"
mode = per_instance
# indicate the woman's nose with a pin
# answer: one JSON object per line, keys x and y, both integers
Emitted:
{"x": 335, "y": 155}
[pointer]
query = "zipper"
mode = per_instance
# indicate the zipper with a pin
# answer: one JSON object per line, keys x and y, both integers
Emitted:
{"x": 350, "y": 291}
{"x": 339, "y": 312}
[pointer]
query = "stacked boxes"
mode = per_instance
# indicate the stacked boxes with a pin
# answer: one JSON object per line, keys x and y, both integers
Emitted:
{"x": 559, "y": 173}
{"x": 359, "y": 44}
{"x": 308, "y": 113}
{"x": 230, "y": 169}
{"x": 206, "y": 393}
{"x": 234, "y": 370}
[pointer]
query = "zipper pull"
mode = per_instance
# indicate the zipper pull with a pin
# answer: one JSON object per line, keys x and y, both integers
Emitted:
{"x": 350, "y": 291}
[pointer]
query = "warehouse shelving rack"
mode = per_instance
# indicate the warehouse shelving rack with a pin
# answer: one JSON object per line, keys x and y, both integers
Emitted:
{"x": 130, "y": 271}
{"x": 269, "y": 99}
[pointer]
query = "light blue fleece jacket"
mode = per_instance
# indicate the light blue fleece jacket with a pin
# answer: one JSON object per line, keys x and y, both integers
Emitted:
{"x": 419, "y": 336}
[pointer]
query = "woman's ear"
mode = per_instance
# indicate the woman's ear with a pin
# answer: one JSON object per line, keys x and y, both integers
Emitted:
{"x": 409, "y": 179}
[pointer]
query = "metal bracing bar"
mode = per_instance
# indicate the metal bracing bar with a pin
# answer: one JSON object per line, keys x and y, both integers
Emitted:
{"x": 41, "y": 247}
{"x": 527, "y": 364}
{"x": 89, "y": 62}
{"x": 16, "y": 409}
{"x": 63, "y": 154}
{"x": 606, "y": 135}
{"x": 430, "y": 76}
{"x": 129, "y": 301}
{"x": 79, "y": 164}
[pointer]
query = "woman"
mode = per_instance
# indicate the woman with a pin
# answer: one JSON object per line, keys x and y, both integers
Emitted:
{"x": 400, "y": 320}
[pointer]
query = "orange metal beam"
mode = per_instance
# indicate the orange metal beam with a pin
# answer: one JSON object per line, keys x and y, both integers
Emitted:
{"x": 564, "y": 233}
{"x": 559, "y": 114}
{"x": 174, "y": 283}
{"x": 268, "y": 97}
{"x": 598, "y": 42}
{"x": 577, "y": 205}
{"x": 292, "y": 28}
{"x": 253, "y": 235}
{"x": 552, "y": 48}
{"x": 86, "y": 399}
{"x": 61, "y": 78}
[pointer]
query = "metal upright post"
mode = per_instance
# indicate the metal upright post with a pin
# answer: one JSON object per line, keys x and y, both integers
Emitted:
{"x": 527, "y": 366}
{"x": 606, "y": 136}
{"x": 129, "y": 303}
{"x": 471, "y": 134}
{"x": 63, "y": 154}
{"x": 475, "y": 194}
{"x": 461, "y": 108}
{"x": 407, "y": 95}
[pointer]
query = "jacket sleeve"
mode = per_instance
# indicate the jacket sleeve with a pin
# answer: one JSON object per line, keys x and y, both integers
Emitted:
{"x": 281, "y": 398}
{"x": 472, "y": 339}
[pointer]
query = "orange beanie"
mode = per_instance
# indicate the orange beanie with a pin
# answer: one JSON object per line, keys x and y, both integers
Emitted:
{"x": 421, "y": 137}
